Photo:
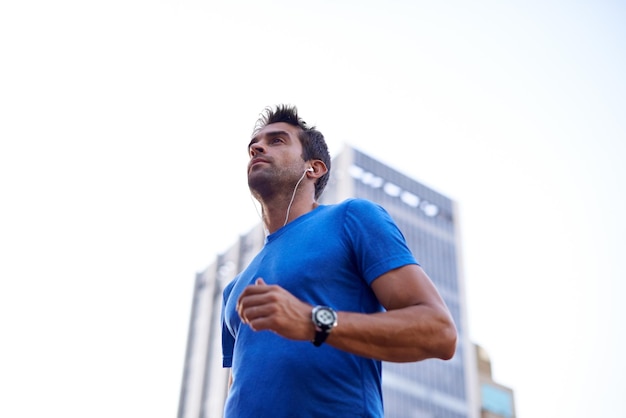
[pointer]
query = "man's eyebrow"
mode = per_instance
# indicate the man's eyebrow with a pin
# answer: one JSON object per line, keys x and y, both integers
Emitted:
{"x": 256, "y": 138}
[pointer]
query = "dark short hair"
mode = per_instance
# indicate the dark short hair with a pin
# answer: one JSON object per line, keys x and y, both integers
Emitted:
{"x": 313, "y": 143}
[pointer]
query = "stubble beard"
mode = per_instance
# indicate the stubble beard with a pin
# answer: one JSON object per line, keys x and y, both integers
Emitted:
{"x": 271, "y": 183}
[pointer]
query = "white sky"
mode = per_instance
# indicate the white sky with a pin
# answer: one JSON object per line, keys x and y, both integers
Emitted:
{"x": 124, "y": 126}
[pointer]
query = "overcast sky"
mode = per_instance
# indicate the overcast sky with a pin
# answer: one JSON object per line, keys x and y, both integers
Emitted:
{"x": 123, "y": 129}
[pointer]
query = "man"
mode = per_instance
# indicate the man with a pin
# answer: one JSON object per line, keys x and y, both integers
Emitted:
{"x": 334, "y": 291}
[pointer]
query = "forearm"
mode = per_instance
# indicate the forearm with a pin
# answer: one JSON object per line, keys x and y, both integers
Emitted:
{"x": 416, "y": 325}
{"x": 402, "y": 335}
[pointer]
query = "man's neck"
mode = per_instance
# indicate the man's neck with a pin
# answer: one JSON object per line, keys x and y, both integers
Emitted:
{"x": 279, "y": 214}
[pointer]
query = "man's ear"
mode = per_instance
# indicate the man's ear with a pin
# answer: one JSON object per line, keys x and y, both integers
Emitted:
{"x": 317, "y": 168}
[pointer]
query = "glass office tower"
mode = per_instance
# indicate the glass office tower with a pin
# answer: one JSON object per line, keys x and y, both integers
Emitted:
{"x": 428, "y": 220}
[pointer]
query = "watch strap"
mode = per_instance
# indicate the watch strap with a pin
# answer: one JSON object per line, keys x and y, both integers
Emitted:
{"x": 320, "y": 336}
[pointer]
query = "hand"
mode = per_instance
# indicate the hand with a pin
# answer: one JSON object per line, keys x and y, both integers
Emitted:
{"x": 270, "y": 307}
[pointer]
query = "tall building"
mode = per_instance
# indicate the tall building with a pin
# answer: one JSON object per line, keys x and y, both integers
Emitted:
{"x": 429, "y": 222}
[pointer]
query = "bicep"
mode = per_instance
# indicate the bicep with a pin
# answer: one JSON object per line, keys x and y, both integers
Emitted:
{"x": 405, "y": 286}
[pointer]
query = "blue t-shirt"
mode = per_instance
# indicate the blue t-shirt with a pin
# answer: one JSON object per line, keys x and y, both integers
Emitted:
{"x": 329, "y": 256}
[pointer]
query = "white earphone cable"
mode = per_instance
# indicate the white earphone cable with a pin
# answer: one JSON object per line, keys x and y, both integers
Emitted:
{"x": 293, "y": 195}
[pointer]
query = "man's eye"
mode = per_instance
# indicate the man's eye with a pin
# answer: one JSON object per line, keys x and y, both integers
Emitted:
{"x": 275, "y": 140}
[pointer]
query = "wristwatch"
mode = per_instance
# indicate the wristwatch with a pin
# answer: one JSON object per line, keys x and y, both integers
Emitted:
{"x": 324, "y": 319}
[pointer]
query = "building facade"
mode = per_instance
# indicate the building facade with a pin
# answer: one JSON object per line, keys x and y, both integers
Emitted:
{"x": 429, "y": 222}
{"x": 496, "y": 400}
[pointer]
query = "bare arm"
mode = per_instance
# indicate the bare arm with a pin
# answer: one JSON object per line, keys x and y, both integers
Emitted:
{"x": 417, "y": 324}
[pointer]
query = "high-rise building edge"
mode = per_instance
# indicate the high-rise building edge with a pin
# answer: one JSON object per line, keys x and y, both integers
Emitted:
{"x": 430, "y": 224}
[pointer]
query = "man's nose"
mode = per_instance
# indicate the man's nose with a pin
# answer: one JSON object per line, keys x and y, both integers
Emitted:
{"x": 256, "y": 148}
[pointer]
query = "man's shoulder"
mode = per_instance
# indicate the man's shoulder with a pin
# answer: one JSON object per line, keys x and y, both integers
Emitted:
{"x": 352, "y": 212}
{"x": 356, "y": 203}
{"x": 360, "y": 207}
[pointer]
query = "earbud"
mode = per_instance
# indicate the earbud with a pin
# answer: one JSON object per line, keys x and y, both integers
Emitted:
{"x": 310, "y": 169}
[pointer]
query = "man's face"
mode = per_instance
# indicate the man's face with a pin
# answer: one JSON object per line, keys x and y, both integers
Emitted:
{"x": 275, "y": 158}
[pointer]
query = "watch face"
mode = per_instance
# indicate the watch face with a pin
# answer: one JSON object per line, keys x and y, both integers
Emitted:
{"x": 325, "y": 317}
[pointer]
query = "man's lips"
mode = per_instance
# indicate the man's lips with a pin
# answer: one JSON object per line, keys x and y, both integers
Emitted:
{"x": 257, "y": 161}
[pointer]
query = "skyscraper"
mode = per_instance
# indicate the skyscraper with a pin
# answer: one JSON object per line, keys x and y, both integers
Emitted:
{"x": 428, "y": 220}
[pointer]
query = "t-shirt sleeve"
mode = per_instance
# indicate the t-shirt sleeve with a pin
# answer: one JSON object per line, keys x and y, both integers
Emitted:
{"x": 379, "y": 245}
{"x": 228, "y": 341}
